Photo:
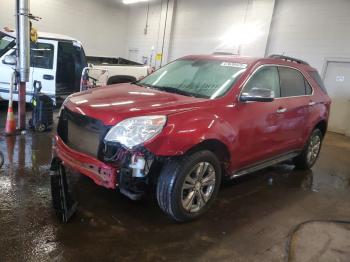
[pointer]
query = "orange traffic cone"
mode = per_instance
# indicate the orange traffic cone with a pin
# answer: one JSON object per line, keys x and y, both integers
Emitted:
{"x": 10, "y": 128}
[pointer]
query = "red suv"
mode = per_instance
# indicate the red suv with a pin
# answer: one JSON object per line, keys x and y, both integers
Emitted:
{"x": 191, "y": 124}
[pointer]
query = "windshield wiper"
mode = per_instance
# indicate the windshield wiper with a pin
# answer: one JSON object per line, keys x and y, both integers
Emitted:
{"x": 177, "y": 91}
{"x": 169, "y": 90}
{"x": 137, "y": 83}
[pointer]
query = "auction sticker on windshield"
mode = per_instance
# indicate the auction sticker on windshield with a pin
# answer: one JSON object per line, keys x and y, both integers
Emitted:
{"x": 237, "y": 65}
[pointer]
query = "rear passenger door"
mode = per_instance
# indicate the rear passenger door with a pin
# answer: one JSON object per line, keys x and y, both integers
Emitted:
{"x": 294, "y": 106}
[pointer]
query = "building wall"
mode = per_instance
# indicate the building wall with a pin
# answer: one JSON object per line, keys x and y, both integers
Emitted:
{"x": 100, "y": 25}
{"x": 141, "y": 43}
{"x": 308, "y": 29}
{"x": 197, "y": 29}
{"x": 311, "y": 30}
{"x": 214, "y": 26}
{"x": 156, "y": 39}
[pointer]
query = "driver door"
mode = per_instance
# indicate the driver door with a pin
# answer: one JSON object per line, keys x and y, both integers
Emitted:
{"x": 259, "y": 122}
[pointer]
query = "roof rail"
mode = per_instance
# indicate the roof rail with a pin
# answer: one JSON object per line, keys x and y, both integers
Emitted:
{"x": 288, "y": 58}
{"x": 223, "y": 53}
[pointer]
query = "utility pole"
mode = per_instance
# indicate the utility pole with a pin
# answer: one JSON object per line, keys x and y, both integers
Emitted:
{"x": 23, "y": 63}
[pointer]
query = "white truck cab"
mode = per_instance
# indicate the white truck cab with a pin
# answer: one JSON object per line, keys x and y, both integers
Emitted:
{"x": 57, "y": 61}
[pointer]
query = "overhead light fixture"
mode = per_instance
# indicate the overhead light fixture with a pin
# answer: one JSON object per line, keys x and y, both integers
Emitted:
{"x": 129, "y": 2}
{"x": 238, "y": 35}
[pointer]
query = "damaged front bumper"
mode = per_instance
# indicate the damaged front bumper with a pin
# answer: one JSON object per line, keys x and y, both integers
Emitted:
{"x": 109, "y": 175}
{"x": 101, "y": 173}
{"x": 128, "y": 170}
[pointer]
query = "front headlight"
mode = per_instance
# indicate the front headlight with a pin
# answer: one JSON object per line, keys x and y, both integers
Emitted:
{"x": 137, "y": 130}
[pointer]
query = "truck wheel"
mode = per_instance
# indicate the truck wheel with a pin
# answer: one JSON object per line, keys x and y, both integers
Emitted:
{"x": 120, "y": 79}
{"x": 188, "y": 185}
{"x": 312, "y": 149}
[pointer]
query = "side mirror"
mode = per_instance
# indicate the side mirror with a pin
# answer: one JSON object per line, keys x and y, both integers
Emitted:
{"x": 258, "y": 95}
{"x": 9, "y": 60}
{"x": 37, "y": 86}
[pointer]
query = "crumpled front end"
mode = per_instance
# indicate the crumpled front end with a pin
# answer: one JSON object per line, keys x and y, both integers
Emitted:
{"x": 80, "y": 146}
{"x": 102, "y": 174}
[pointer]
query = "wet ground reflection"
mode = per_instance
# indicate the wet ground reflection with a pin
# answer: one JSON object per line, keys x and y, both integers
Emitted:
{"x": 249, "y": 221}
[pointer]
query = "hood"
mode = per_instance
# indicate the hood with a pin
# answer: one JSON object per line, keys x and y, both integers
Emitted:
{"x": 112, "y": 104}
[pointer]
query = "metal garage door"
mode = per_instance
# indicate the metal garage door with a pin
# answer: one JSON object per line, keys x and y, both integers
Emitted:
{"x": 337, "y": 81}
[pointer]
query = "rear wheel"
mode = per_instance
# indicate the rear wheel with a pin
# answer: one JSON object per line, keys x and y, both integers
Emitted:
{"x": 188, "y": 186}
{"x": 311, "y": 151}
{"x": 118, "y": 79}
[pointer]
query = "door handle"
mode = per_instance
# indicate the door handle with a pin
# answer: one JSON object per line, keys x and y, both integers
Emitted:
{"x": 48, "y": 77}
{"x": 312, "y": 103}
{"x": 281, "y": 110}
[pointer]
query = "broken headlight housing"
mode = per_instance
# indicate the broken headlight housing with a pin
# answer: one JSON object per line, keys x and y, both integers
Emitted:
{"x": 136, "y": 130}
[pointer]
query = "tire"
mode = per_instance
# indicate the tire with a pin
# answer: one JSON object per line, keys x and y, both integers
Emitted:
{"x": 311, "y": 151}
{"x": 174, "y": 189}
{"x": 40, "y": 127}
{"x": 120, "y": 79}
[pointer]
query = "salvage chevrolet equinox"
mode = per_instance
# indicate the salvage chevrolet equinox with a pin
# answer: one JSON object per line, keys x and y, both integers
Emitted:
{"x": 191, "y": 124}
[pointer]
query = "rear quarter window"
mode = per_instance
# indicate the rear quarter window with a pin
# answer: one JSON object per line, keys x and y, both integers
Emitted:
{"x": 316, "y": 76}
{"x": 292, "y": 82}
{"x": 308, "y": 88}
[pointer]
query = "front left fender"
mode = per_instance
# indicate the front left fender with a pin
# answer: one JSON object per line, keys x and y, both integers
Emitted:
{"x": 186, "y": 130}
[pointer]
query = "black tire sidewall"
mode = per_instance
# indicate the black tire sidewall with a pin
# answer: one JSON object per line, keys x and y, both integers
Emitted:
{"x": 179, "y": 178}
{"x": 40, "y": 127}
{"x": 314, "y": 133}
{"x": 119, "y": 79}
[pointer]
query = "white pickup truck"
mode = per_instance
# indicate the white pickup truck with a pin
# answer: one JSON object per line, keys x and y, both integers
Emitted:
{"x": 57, "y": 61}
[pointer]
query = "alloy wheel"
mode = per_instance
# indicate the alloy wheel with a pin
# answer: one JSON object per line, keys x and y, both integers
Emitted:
{"x": 198, "y": 187}
{"x": 313, "y": 149}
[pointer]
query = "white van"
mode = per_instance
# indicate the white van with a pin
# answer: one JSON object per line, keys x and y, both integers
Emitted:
{"x": 57, "y": 61}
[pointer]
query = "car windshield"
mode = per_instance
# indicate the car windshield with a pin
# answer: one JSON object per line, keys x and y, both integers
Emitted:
{"x": 197, "y": 78}
{"x": 6, "y": 43}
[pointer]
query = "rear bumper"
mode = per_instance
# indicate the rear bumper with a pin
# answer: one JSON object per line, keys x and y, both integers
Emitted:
{"x": 101, "y": 173}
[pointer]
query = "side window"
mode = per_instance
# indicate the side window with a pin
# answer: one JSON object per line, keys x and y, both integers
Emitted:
{"x": 41, "y": 55}
{"x": 266, "y": 77}
{"x": 316, "y": 76}
{"x": 308, "y": 88}
{"x": 293, "y": 83}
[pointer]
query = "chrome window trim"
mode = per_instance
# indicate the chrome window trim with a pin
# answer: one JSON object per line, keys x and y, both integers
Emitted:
{"x": 276, "y": 65}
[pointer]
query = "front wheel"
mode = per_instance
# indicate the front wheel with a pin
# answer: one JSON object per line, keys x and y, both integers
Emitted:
{"x": 187, "y": 186}
{"x": 312, "y": 149}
